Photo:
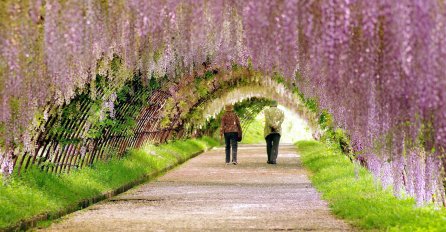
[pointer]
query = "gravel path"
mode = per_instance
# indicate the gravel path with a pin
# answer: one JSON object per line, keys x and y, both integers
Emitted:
{"x": 205, "y": 195}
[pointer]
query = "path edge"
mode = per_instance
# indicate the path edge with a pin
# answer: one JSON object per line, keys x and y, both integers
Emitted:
{"x": 32, "y": 222}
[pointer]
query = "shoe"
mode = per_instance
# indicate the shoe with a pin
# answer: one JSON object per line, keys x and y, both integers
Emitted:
{"x": 226, "y": 163}
{"x": 268, "y": 162}
{"x": 235, "y": 163}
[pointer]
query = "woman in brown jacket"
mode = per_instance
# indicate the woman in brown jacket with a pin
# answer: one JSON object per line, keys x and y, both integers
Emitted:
{"x": 231, "y": 129}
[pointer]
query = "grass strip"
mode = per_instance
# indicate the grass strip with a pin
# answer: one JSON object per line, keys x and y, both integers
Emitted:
{"x": 359, "y": 199}
{"x": 37, "y": 193}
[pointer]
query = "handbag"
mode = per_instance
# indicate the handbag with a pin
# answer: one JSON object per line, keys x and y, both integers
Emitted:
{"x": 239, "y": 136}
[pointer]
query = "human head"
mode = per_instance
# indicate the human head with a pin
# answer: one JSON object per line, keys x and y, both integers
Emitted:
{"x": 274, "y": 103}
{"x": 229, "y": 108}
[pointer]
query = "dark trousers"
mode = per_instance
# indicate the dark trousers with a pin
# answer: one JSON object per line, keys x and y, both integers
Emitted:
{"x": 272, "y": 146}
{"x": 231, "y": 139}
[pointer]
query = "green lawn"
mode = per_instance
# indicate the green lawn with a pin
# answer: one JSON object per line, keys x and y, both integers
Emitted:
{"x": 361, "y": 201}
{"x": 37, "y": 192}
{"x": 254, "y": 133}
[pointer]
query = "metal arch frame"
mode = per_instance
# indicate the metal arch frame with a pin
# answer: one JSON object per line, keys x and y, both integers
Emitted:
{"x": 63, "y": 157}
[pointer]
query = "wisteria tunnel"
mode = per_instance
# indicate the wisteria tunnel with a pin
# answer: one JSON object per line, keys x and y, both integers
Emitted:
{"x": 82, "y": 81}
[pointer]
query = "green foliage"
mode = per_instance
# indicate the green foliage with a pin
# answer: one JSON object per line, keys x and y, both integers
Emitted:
{"x": 201, "y": 87}
{"x": 334, "y": 137}
{"x": 298, "y": 76}
{"x": 426, "y": 136}
{"x": 338, "y": 139}
{"x": 253, "y": 133}
{"x": 279, "y": 78}
{"x": 195, "y": 90}
{"x": 158, "y": 54}
{"x": 153, "y": 83}
{"x": 325, "y": 120}
{"x": 167, "y": 113}
{"x": 311, "y": 104}
{"x": 211, "y": 142}
{"x": 200, "y": 91}
{"x": 247, "y": 110}
{"x": 361, "y": 201}
{"x": 36, "y": 192}
{"x": 88, "y": 106}
{"x": 209, "y": 75}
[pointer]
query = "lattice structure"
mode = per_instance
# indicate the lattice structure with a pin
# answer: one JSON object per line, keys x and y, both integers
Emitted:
{"x": 70, "y": 147}
{"x": 376, "y": 66}
{"x": 76, "y": 150}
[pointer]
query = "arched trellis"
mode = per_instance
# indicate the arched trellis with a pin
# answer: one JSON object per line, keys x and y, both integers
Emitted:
{"x": 247, "y": 110}
{"x": 71, "y": 147}
{"x": 376, "y": 66}
{"x": 268, "y": 89}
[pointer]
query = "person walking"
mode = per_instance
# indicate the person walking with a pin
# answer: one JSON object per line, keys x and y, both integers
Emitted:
{"x": 232, "y": 131}
{"x": 273, "y": 123}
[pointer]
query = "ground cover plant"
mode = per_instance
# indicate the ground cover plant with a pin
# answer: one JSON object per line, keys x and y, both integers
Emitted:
{"x": 354, "y": 194}
{"x": 36, "y": 192}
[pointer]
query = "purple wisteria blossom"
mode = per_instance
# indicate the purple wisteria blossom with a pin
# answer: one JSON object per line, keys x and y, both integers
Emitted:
{"x": 376, "y": 66}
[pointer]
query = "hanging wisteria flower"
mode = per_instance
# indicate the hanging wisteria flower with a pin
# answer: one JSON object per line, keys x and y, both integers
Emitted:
{"x": 376, "y": 66}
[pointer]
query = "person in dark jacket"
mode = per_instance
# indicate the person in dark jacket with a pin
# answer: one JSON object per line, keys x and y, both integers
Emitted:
{"x": 273, "y": 128}
{"x": 231, "y": 129}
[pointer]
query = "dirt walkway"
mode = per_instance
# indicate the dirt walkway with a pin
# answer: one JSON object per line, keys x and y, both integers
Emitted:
{"x": 205, "y": 195}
